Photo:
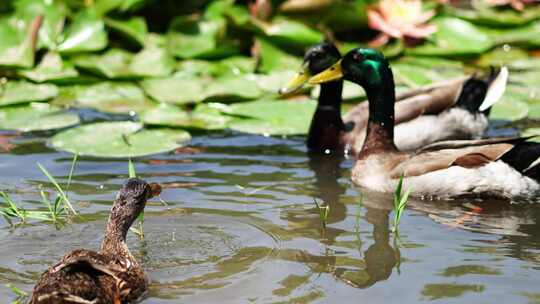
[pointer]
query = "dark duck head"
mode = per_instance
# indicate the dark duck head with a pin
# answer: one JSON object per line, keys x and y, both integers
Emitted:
{"x": 369, "y": 69}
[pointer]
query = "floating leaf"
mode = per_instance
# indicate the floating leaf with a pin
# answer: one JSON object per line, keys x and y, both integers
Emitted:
{"x": 115, "y": 63}
{"x": 202, "y": 117}
{"x": 491, "y": 16}
{"x": 14, "y": 92}
{"x": 117, "y": 97}
{"x": 232, "y": 88}
{"x": 118, "y": 139}
{"x": 177, "y": 90}
{"x": 510, "y": 108}
{"x": 35, "y": 117}
{"x": 152, "y": 62}
{"x": 532, "y": 132}
{"x": 275, "y": 80}
{"x": 134, "y": 29}
{"x": 413, "y": 72}
{"x": 273, "y": 58}
{"x": 273, "y": 117}
{"x": 291, "y": 33}
{"x": 454, "y": 37}
{"x": 85, "y": 34}
{"x": 17, "y": 42}
{"x": 52, "y": 68}
{"x": 190, "y": 38}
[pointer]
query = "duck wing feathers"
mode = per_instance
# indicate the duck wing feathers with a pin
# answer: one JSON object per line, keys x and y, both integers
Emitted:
{"x": 468, "y": 157}
{"x": 85, "y": 277}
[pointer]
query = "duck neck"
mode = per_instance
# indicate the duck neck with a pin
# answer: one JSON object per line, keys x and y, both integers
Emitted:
{"x": 380, "y": 127}
{"x": 327, "y": 125}
{"x": 114, "y": 242}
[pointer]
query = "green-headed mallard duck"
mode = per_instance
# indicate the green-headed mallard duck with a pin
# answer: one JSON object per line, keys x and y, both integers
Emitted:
{"x": 454, "y": 109}
{"x": 501, "y": 168}
{"x": 111, "y": 275}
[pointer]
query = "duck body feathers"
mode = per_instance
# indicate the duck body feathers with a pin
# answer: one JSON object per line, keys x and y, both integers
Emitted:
{"x": 491, "y": 168}
{"x": 84, "y": 276}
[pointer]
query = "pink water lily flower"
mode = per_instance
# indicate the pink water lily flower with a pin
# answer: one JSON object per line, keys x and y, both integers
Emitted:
{"x": 518, "y": 5}
{"x": 400, "y": 19}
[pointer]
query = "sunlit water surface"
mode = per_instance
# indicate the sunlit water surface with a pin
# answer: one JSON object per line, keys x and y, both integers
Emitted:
{"x": 241, "y": 226}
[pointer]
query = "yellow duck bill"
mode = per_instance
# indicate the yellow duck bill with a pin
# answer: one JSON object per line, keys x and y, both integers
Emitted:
{"x": 332, "y": 73}
{"x": 297, "y": 81}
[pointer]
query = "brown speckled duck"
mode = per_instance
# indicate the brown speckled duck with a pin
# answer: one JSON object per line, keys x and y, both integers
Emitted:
{"x": 111, "y": 275}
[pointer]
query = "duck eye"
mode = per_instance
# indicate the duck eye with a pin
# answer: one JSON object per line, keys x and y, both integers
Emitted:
{"x": 357, "y": 57}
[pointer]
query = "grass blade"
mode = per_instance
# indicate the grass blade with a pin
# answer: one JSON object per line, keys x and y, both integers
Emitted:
{"x": 131, "y": 169}
{"x": 58, "y": 188}
{"x": 71, "y": 170}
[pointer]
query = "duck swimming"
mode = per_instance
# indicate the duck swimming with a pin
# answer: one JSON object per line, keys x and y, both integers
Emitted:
{"x": 454, "y": 109}
{"x": 506, "y": 168}
{"x": 111, "y": 275}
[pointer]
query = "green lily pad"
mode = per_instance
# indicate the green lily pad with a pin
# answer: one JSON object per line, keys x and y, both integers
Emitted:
{"x": 118, "y": 139}
{"x": 134, "y": 29}
{"x": 413, "y": 72}
{"x": 232, "y": 88}
{"x": 291, "y": 33}
{"x": 16, "y": 43}
{"x": 85, "y": 34}
{"x": 152, "y": 62}
{"x": 191, "y": 38}
{"x": 454, "y": 37}
{"x": 204, "y": 116}
{"x": 235, "y": 65}
{"x": 272, "y": 58}
{"x": 534, "y": 111}
{"x": 35, "y": 117}
{"x": 177, "y": 90}
{"x": 52, "y": 69}
{"x": 115, "y": 63}
{"x": 14, "y": 92}
{"x": 509, "y": 108}
{"x": 273, "y": 117}
{"x": 351, "y": 91}
{"x": 491, "y": 16}
{"x": 275, "y": 80}
{"x": 532, "y": 132}
{"x": 117, "y": 97}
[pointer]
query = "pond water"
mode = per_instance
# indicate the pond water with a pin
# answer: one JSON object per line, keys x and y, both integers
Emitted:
{"x": 240, "y": 226}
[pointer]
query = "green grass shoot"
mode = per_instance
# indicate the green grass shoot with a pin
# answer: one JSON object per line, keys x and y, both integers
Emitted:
{"x": 400, "y": 202}
{"x": 57, "y": 210}
{"x": 20, "y": 295}
{"x": 139, "y": 230}
{"x": 60, "y": 191}
{"x": 324, "y": 211}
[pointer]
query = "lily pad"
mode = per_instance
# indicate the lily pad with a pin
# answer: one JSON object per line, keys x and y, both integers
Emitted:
{"x": 118, "y": 139}
{"x": 118, "y": 97}
{"x": 291, "y": 33}
{"x": 413, "y": 72}
{"x": 191, "y": 38}
{"x": 232, "y": 88}
{"x": 273, "y": 117}
{"x": 16, "y": 43}
{"x": 532, "y": 132}
{"x": 509, "y": 108}
{"x": 275, "y": 80}
{"x": 52, "y": 68}
{"x": 115, "y": 63}
{"x": 134, "y": 29}
{"x": 14, "y": 92}
{"x": 204, "y": 116}
{"x": 152, "y": 62}
{"x": 85, "y": 34}
{"x": 35, "y": 117}
{"x": 454, "y": 37}
{"x": 177, "y": 90}
{"x": 272, "y": 58}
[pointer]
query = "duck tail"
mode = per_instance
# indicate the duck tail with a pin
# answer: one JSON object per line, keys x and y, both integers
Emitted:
{"x": 478, "y": 94}
{"x": 525, "y": 158}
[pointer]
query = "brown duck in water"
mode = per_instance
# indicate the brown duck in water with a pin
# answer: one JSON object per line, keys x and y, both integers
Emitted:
{"x": 111, "y": 275}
